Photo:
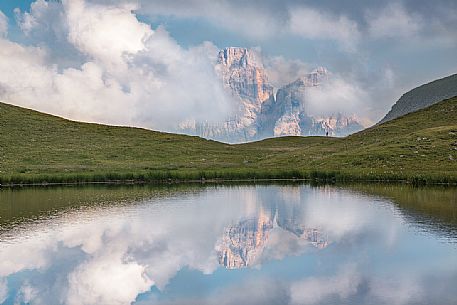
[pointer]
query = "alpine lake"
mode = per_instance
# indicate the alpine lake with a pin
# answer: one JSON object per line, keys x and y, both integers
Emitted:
{"x": 280, "y": 243}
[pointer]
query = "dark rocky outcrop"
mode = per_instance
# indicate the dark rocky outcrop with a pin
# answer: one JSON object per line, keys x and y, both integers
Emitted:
{"x": 423, "y": 96}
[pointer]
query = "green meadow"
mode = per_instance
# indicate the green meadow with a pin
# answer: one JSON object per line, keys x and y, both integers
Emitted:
{"x": 420, "y": 147}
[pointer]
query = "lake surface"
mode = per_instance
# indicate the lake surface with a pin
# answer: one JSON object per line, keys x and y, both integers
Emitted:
{"x": 245, "y": 244}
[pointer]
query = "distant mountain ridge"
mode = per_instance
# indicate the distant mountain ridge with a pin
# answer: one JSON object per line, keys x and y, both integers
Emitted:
{"x": 260, "y": 112}
{"x": 423, "y": 96}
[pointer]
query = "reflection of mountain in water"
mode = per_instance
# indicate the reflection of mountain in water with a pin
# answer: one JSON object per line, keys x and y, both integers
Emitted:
{"x": 243, "y": 243}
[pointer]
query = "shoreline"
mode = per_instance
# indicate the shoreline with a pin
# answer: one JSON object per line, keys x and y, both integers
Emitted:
{"x": 160, "y": 178}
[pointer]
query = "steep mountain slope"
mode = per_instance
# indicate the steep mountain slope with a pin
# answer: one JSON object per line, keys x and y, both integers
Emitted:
{"x": 243, "y": 75}
{"x": 36, "y": 147}
{"x": 260, "y": 113}
{"x": 287, "y": 114}
{"x": 423, "y": 96}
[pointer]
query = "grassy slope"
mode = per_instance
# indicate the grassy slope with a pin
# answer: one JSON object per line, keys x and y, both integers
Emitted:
{"x": 36, "y": 147}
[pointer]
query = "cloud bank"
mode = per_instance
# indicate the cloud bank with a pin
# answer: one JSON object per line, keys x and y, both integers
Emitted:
{"x": 344, "y": 23}
{"x": 126, "y": 72}
{"x": 393, "y": 22}
{"x": 95, "y": 60}
{"x": 313, "y": 24}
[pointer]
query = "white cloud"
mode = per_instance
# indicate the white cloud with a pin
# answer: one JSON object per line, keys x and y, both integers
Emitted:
{"x": 3, "y": 290}
{"x": 263, "y": 21}
{"x": 397, "y": 291}
{"x": 393, "y": 21}
{"x": 248, "y": 20}
{"x": 128, "y": 74}
{"x": 312, "y": 24}
{"x": 282, "y": 71}
{"x": 315, "y": 290}
{"x": 282, "y": 243}
{"x": 3, "y": 24}
{"x": 404, "y": 289}
{"x": 14, "y": 258}
{"x": 107, "y": 280}
{"x": 95, "y": 61}
{"x": 27, "y": 294}
{"x": 106, "y": 33}
{"x": 338, "y": 220}
{"x": 39, "y": 11}
{"x": 337, "y": 95}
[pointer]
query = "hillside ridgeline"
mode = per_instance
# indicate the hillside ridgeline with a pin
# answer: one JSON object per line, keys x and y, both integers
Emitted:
{"x": 41, "y": 148}
{"x": 423, "y": 97}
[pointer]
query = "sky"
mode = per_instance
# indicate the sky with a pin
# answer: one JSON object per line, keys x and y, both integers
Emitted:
{"x": 150, "y": 63}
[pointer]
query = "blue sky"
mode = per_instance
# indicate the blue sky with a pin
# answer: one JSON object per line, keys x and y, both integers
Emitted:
{"x": 380, "y": 49}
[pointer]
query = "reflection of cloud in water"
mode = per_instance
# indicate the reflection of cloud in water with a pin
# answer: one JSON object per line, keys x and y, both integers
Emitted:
{"x": 313, "y": 290}
{"x": 112, "y": 255}
{"x": 3, "y": 290}
{"x": 243, "y": 244}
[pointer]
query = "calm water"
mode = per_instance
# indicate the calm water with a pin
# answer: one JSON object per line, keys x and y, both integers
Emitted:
{"x": 289, "y": 244}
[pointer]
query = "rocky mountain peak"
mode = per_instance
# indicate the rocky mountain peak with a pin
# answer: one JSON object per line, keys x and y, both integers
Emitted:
{"x": 242, "y": 71}
{"x": 261, "y": 113}
{"x": 236, "y": 57}
{"x": 316, "y": 78}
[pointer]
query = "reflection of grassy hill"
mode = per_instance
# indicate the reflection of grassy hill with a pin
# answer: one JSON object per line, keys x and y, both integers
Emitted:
{"x": 36, "y": 147}
{"x": 435, "y": 207}
{"x": 36, "y": 203}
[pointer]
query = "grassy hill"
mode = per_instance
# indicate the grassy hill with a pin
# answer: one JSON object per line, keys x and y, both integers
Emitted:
{"x": 36, "y": 148}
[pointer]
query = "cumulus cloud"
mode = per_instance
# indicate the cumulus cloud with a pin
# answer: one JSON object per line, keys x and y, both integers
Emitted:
{"x": 129, "y": 74}
{"x": 314, "y": 290}
{"x": 3, "y": 24}
{"x": 269, "y": 20}
{"x": 312, "y": 24}
{"x": 397, "y": 291}
{"x": 282, "y": 243}
{"x": 348, "y": 93}
{"x": 88, "y": 283}
{"x": 250, "y": 20}
{"x": 15, "y": 259}
{"x": 42, "y": 13}
{"x": 93, "y": 60}
{"x": 106, "y": 33}
{"x": 337, "y": 95}
{"x": 27, "y": 294}
{"x": 3, "y": 290}
{"x": 282, "y": 71}
{"x": 393, "y": 21}
{"x": 345, "y": 23}
{"x": 339, "y": 221}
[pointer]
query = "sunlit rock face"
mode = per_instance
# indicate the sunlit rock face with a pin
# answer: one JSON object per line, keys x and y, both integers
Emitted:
{"x": 243, "y": 75}
{"x": 260, "y": 113}
{"x": 243, "y": 244}
{"x": 287, "y": 115}
{"x": 242, "y": 71}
